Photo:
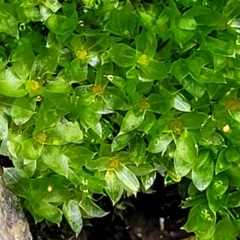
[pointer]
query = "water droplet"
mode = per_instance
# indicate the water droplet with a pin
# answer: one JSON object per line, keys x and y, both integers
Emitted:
{"x": 110, "y": 77}
{"x": 21, "y": 27}
{"x": 81, "y": 23}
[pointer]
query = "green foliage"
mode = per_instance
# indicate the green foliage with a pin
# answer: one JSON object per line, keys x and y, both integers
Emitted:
{"x": 99, "y": 96}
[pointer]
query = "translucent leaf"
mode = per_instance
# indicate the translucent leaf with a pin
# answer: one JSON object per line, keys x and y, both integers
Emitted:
{"x": 142, "y": 170}
{"x": 50, "y": 212}
{"x": 153, "y": 70}
{"x": 196, "y": 89}
{"x": 127, "y": 178}
{"x": 179, "y": 69}
{"x": 23, "y": 58}
{"x": 201, "y": 220}
{"x": 91, "y": 209}
{"x": 22, "y": 110}
{"x": 217, "y": 46}
{"x": 114, "y": 187}
{"x": 79, "y": 155}
{"x": 159, "y": 144}
{"x": 181, "y": 103}
{"x": 56, "y": 161}
{"x": 54, "y": 5}
{"x": 11, "y": 85}
{"x": 202, "y": 175}
{"x": 187, "y": 23}
{"x": 31, "y": 149}
{"x": 121, "y": 141}
{"x": 131, "y": 121}
{"x": 3, "y": 126}
{"x": 100, "y": 164}
{"x": 147, "y": 123}
{"x": 146, "y": 43}
{"x": 148, "y": 180}
{"x": 63, "y": 133}
{"x": 123, "y": 55}
{"x": 72, "y": 213}
{"x": 60, "y": 24}
{"x": 16, "y": 180}
{"x": 9, "y": 24}
{"x": 193, "y": 120}
{"x": 220, "y": 230}
{"x": 186, "y": 147}
{"x": 137, "y": 149}
{"x": 222, "y": 164}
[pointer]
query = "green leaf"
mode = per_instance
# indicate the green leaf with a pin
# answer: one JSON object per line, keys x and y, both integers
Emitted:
{"x": 22, "y": 110}
{"x": 65, "y": 132}
{"x": 122, "y": 22}
{"x": 215, "y": 202}
{"x": 123, "y": 55}
{"x": 148, "y": 180}
{"x": 114, "y": 187}
{"x": 16, "y": 180}
{"x": 121, "y": 141}
{"x": 22, "y": 58}
{"x": 147, "y": 123}
{"x": 142, "y": 169}
{"x": 232, "y": 154}
{"x": 187, "y": 23}
{"x": 146, "y": 43}
{"x": 193, "y": 120}
{"x": 91, "y": 209}
{"x": 233, "y": 199}
{"x": 55, "y": 160}
{"x": 128, "y": 178}
{"x": 9, "y": 23}
{"x": 222, "y": 164}
{"x": 100, "y": 164}
{"x": 50, "y": 212}
{"x": 180, "y": 103}
{"x": 137, "y": 149}
{"x": 72, "y": 213}
{"x": 220, "y": 230}
{"x": 219, "y": 184}
{"x": 233, "y": 176}
{"x": 54, "y": 5}
{"x": 179, "y": 70}
{"x": 194, "y": 88}
{"x": 181, "y": 167}
{"x": 114, "y": 99}
{"x": 217, "y": 46}
{"x": 201, "y": 220}
{"x": 51, "y": 189}
{"x": 153, "y": 70}
{"x": 11, "y": 85}
{"x": 131, "y": 121}
{"x": 202, "y": 175}
{"x": 186, "y": 147}
{"x": 160, "y": 103}
{"x": 214, "y": 139}
{"x": 159, "y": 144}
{"x": 79, "y": 156}
{"x": 31, "y": 149}
{"x": 3, "y": 126}
{"x": 60, "y": 24}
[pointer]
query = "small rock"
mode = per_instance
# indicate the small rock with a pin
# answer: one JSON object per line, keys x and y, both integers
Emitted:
{"x": 13, "y": 225}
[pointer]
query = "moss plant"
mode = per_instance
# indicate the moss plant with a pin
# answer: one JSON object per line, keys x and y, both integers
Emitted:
{"x": 100, "y": 96}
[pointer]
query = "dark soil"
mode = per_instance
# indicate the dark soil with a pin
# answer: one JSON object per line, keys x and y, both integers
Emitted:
{"x": 148, "y": 217}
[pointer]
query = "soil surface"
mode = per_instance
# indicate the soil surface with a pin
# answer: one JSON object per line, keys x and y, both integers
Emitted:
{"x": 148, "y": 217}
